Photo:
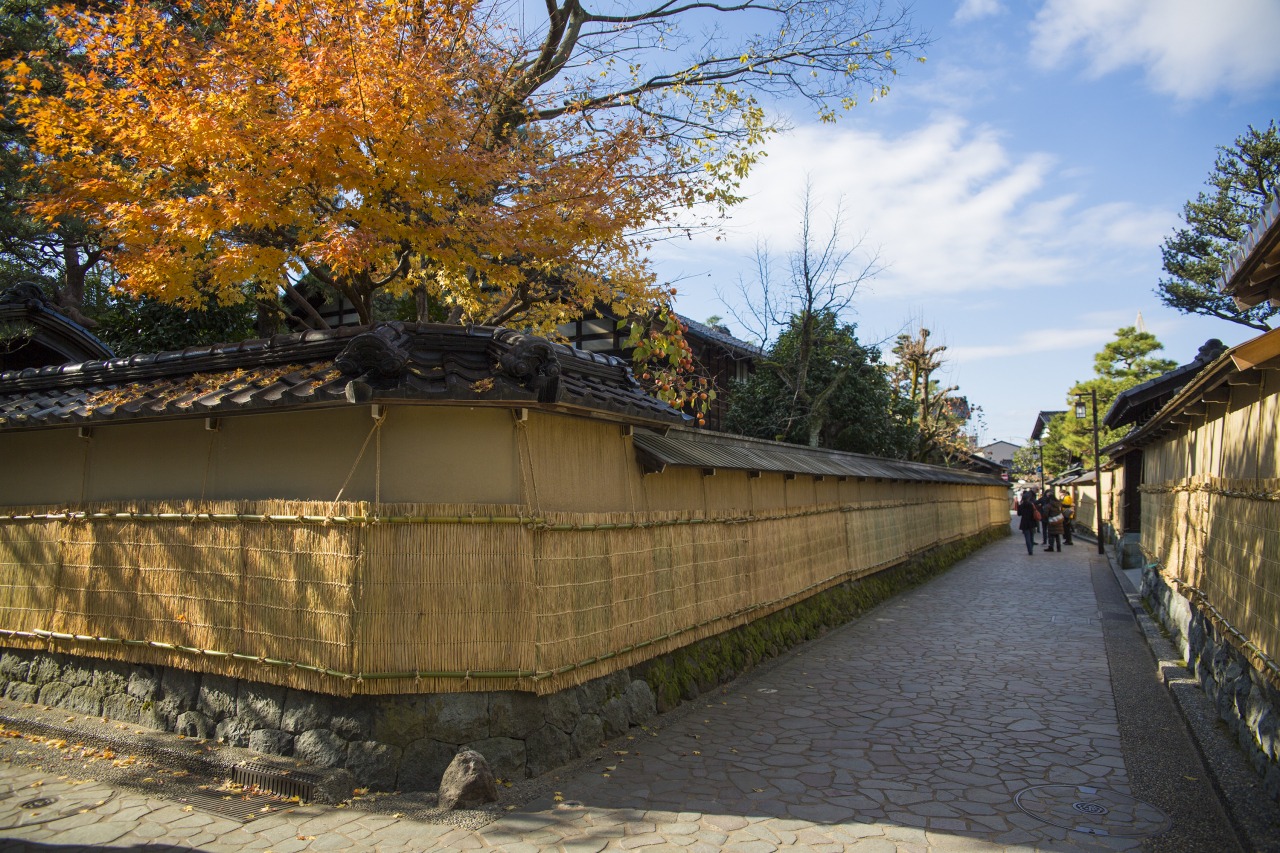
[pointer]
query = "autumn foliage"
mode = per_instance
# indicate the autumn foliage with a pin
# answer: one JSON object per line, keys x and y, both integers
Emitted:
{"x": 227, "y": 149}
{"x": 358, "y": 140}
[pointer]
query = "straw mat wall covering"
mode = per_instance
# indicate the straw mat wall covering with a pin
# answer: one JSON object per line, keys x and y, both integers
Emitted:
{"x": 1218, "y": 542}
{"x": 349, "y": 598}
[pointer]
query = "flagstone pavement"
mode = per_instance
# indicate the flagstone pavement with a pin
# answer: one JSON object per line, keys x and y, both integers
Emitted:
{"x": 975, "y": 713}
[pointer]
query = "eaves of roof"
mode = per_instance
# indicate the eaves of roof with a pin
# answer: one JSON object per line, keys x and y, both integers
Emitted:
{"x": 393, "y": 362}
{"x": 1252, "y": 274}
{"x": 738, "y": 348}
{"x": 1262, "y": 352}
{"x": 1042, "y": 421}
{"x": 709, "y": 451}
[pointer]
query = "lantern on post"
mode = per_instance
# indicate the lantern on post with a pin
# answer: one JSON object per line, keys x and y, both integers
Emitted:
{"x": 1082, "y": 410}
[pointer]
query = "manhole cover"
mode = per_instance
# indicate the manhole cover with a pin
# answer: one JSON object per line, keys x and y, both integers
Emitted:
{"x": 29, "y": 805}
{"x": 1095, "y": 811}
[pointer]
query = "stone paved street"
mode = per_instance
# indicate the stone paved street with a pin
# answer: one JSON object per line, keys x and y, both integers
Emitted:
{"x": 912, "y": 729}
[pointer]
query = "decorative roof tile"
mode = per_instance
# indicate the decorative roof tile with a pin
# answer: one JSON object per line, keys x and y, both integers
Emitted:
{"x": 392, "y": 362}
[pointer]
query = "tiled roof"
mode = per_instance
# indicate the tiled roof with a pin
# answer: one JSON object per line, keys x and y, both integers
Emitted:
{"x": 692, "y": 448}
{"x": 742, "y": 349}
{"x": 1252, "y": 273}
{"x": 54, "y": 336}
{"x": 1136, "y": 404}
{"x": 393, "y": 362}
{"x": 1042, "y": 421}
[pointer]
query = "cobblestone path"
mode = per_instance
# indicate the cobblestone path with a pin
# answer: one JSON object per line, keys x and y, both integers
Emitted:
{"x": 945, "y": 720}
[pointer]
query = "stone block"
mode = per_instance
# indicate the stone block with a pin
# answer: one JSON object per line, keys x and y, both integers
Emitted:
{"x": 320, "y": 747}
{"x": 423, "y": 764}
{"x": 234, "y": 731}
{"x": 216, "y": 698}
{"x": 111, "y": 676}
{"x": 194, "y": 724}
{"x": 1272, "y": 782}
{"x": 14, "y": 667}
{"x": 20, "y": 692}
{"x": 44, "y": 669}
{"x": 180, "y": 689}
{"x": 53, "y": 693}
{"x": 642, "y": 705}
{"x": 562, "y": 710}
{"x": 261, "y": 703}
{"x": 76, "y": 672}
{"x": 150, "y": 718}
{"x": 506, "y": 756}
{"x": 1267, "y": 729}
{"x": 401, "y": 720}
{"x": 122, "y": 707}
{"x": 593, "y": 694}
{"x": 459, "y": 717}
{"x": 587, "y": 735}
{"x": 144, "y": 683}
{"x": 616, "y": 683}
{"x": 374, "y": 764}
{"x": 352, "y": 718}
{"x": 271, "y": 742}
{"x": 546, "y": 749}
{"x": 468, "y": 782}
{"x": 304, "y": 710}
{"x": 615, "y": 716}
{"x": 514, "y": 714}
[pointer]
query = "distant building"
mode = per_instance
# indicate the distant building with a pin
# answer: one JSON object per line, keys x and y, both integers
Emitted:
{"x": 1042, "y": 423}
{"x": 1000, "y": 452}
{"x": 720, "y": 356}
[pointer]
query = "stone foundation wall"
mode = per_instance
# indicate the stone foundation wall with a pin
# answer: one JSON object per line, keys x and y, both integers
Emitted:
{"x": 387, "y": 742}
{"x": 1247, "y": 703}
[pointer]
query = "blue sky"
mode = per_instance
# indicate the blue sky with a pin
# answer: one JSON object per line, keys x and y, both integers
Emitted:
{"x": 1017, "y": 186}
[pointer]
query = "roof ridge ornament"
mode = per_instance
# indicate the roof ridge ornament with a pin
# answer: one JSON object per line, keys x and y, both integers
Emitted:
{"x": 376, "y": 359}
{"x": 532, "y": 362}
{"x": 26, "y": 293}
{"x": 1210, "y": 351}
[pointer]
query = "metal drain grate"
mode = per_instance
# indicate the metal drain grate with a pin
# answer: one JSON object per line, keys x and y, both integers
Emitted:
{"x": 1095, "y": 811}
{"x": 241, "y": 807}
{"x": 284, "y": 783}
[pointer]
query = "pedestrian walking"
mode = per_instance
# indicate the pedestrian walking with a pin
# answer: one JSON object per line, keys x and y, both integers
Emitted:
{"x": 1045, "y": 497}
{"x": 1052, "y": 512}
{"x": 1028, "y": 518}
{"x": 1068, "y": 517}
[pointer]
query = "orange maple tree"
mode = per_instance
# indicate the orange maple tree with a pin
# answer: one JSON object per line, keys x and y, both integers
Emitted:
{"x": 350, "y": 139}
{"x": 509, "y": 176}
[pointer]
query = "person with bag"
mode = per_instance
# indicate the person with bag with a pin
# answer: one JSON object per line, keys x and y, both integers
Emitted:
{"x": 1068, "y": 517}
{"x": 1028, "y": 519}
{"x": 1052, "y": 512}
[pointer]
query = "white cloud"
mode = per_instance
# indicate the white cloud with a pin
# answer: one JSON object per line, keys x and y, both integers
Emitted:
{"x": 1188, "y": 48}
{"x": 972, "y": 10}
{"x": 1037, "y": 342}
{"x": 951, "y": 211}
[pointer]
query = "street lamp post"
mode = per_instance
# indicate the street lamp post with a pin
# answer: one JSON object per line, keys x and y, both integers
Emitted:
{"x": 1040, "y": 466}
{"x": 1097, "y": 463}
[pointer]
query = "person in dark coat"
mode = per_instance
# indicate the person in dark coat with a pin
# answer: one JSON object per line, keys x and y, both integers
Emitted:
{"x": 1051, "y": 511}
{"x": 1045, "y": 498}
{"x": 1027, "y": 519}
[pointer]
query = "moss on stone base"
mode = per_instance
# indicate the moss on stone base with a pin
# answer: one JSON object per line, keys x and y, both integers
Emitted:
{"x": 695, "y": 669}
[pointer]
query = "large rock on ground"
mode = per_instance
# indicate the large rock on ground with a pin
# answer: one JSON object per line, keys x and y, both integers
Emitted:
{"x": 468, "y": 782}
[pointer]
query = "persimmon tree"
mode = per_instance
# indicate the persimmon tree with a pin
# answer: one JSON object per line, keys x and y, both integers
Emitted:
{"x": 505, "y": 173}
